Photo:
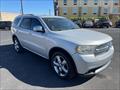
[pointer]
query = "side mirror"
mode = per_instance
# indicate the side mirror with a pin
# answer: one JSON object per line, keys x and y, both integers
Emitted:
{"x": 38, "y": 29}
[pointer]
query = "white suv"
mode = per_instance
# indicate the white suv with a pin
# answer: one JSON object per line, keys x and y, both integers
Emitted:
{"x": 70, "y": 49}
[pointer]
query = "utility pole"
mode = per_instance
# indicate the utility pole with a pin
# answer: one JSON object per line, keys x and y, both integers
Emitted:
{"x": 100, "y": 8}
{"x": 55, "y": 7}
{"x": 49, "y": 12}
{"x": 0, "y": 13}
{"x": 21, "y": 3}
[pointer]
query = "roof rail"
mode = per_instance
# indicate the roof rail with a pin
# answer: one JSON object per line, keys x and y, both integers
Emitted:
{"x": 29, "y": 14}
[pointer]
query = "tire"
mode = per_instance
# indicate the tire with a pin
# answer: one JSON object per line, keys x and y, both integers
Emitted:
{"x": 17, "y": 46}
{"x": 105, "y": 26}
{"x": 108, "y": 26}
{"x": 63, "y": 65}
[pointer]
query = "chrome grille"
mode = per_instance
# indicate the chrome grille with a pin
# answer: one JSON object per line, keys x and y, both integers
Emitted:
{"x": 103, "y": 48}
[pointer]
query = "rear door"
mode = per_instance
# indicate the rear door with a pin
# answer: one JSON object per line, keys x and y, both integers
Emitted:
{"x": 24, "y": 32}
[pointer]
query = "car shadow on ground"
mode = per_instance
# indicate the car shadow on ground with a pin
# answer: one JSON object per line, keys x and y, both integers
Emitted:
{"x": 34, "y": 70}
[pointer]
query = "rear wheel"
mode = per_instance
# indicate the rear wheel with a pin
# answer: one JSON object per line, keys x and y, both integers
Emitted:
{"x": 62, "y": 65}
{"x": 17, "y": 46}
{"x": 106, "y": 26}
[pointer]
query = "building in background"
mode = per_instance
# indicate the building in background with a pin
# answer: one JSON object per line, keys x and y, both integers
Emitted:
{"x": 8, "y": 16}
{"x": 78, "y": 8}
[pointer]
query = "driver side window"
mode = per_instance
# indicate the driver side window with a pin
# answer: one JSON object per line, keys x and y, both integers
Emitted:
{"x": 35, "y": 22}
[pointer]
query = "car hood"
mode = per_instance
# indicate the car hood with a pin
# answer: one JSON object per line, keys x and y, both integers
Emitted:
{"x": 83, "y": 36}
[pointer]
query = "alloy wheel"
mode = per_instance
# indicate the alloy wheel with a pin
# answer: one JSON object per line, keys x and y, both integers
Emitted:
{"x": 60, "y": 65}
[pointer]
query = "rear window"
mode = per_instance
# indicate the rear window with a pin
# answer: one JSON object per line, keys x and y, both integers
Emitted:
{"x": 16, "y": 21}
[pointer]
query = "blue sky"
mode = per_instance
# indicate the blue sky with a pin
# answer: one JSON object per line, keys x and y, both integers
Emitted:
{"x": 40, "y": 7}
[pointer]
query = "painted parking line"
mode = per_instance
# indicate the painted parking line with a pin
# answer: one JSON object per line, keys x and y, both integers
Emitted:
{"x": 6, "y": 42}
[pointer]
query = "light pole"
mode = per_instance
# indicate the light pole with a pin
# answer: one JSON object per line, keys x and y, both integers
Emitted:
{"x": 0, "y": 16}
{"x": 0, "y": 13}
{"x": 21, "y": 4}
{"x": 49, "y": 12}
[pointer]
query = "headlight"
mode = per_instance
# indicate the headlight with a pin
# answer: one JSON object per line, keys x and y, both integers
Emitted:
{"x": 110, "y": 44}
{"x": 87, "y": 49}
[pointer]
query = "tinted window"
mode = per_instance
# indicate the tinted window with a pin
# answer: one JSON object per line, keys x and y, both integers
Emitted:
{"x": 16, "y": 21}
{"x": 2, "y": 24}
{"x": 26, "y": 23}
{"x": 35, "y": 22}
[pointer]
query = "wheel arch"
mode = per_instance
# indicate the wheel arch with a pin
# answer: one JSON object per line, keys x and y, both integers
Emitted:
{"x": 14, "y": 36}
{"x": 55, "y": 49}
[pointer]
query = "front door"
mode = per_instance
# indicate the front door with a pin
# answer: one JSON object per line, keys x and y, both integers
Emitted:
{"x": 37, "y": 39}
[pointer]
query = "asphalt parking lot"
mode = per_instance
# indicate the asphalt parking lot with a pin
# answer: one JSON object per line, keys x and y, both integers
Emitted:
{"x": 29, "y": 71}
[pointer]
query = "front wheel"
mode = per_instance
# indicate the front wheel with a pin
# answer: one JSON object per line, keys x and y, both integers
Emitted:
{"x": 62, "y": 65}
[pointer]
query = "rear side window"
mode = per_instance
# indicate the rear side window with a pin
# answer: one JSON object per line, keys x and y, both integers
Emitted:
{"x": 26, "y": 23}
{"x": 16, "y": 21}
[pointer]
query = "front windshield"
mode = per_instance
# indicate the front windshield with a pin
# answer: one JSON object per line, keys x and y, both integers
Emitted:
{"x": 59, "y": 24}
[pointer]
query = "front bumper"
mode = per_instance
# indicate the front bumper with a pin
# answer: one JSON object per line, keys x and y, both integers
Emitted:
{"x": 86, "y": 64}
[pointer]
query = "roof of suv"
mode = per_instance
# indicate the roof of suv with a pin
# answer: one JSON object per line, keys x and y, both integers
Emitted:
{"x": 41, "y": 16}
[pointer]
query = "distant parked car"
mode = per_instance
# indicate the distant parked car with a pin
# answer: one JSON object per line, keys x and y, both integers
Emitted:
{"x": 103, "y": 23}
{"x": 78, "y": 22}
{"x": 117, "y": 24}
{"x": 5, "y": 25}
{"x": 88, "y": 24}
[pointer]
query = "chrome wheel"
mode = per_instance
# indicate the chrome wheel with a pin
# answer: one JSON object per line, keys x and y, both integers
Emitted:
{"x": 16, "y": 45}
{"x": 60, "y": 65}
